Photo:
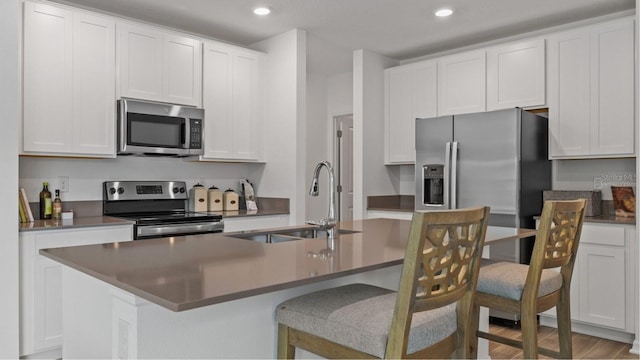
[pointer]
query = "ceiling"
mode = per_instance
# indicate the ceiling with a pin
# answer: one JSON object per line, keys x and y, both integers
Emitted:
{"x": 400, "y": 29}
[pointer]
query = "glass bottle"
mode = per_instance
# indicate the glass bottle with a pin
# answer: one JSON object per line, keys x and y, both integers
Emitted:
{"x": 45, "y": 202}
{"x": 57, "y": 206}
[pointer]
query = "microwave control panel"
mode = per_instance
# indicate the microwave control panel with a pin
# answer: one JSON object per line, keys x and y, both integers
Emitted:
{"x": 196, "y": 134}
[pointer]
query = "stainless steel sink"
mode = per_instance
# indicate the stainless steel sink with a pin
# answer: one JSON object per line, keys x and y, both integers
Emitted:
{"x": 288, "y": 235}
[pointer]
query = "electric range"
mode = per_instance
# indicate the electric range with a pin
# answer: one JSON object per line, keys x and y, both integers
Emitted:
{"x": 157, "y": 208}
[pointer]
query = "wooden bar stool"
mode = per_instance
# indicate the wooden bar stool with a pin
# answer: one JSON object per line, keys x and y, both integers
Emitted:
{"x": 427, "y": 318}
{"x": 530, "y": 289}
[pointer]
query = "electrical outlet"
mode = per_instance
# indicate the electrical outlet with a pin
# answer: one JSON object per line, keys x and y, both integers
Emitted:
{"x": 63, "y": 183}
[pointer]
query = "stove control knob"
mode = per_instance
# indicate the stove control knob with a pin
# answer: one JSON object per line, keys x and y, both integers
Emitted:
{"x": 182, "y": 190}
{"x": 120, "y": 190}
{"x": 112, "y": 190}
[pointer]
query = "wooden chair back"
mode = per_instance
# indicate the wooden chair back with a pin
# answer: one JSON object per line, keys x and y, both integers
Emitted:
{"x": 441, "y": 266}
{"x": 556, "y": 242}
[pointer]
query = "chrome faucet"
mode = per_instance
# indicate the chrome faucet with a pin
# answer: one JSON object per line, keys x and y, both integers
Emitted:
{"x": 329, "y": 223}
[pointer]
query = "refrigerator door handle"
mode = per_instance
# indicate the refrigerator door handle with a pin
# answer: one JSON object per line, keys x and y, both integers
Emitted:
{"x": 454, "y": 175}
{"x": 445, "y": 175}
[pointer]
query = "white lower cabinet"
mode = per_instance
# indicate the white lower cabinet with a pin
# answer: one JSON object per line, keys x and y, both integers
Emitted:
{"x": 603, "y": 287}
{"x": 401, "y": 215}
{"x": 41, "y": 282}
{"x": 255, "y": 222}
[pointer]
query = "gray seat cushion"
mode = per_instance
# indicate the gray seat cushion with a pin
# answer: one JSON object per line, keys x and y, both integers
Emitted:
{"x": 507, "y": 280}
{"x": 359, "y": 316}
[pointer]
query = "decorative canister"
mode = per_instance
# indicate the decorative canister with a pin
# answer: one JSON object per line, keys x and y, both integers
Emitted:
{"x": 198, "y": 198}
{"x": 215, "y": 198}
{"x": 230, "y": 200}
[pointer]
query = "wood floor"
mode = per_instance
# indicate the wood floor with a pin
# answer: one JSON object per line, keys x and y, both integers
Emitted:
{"x": 584, "y": 346}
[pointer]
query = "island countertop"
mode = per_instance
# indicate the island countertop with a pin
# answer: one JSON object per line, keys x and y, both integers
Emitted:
{"x": 186, "y": 272}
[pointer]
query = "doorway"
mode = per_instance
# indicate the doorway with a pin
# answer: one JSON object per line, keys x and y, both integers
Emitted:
{"x": 343, "y": 158}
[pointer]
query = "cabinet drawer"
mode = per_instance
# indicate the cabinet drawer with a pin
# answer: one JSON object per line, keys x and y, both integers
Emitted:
{"x": 602, "y": 235}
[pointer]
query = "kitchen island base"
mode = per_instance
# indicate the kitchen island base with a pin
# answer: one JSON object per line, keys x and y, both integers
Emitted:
{"x": 102, "y": 321}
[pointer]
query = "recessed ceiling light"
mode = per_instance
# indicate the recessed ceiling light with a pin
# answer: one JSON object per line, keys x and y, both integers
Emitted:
{"x": 443, "y": 12}
{"x": 261, "y": 11}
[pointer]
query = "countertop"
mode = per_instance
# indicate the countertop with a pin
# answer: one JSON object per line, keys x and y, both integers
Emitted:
{"x": 92, "y": 221}
{"x": 187, "y": 272}
{"x": 404, "y": 203}
{"x": 78, "y": 222}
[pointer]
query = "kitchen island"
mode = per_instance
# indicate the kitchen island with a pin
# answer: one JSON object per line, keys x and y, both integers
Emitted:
{"x": 213, "y": 296}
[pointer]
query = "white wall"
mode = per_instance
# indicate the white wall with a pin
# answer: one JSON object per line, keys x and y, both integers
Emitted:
{"x": 284, "y": 131}
{"x": 340, "y": 94}
{"x": 327, "y": 97}
{"x": 596, "y": 174}
{"x": 371, "y": 177}
{"x": 318, "y": 129}
{"x": 9, "y": 100}
{"x": 86, "y": 175}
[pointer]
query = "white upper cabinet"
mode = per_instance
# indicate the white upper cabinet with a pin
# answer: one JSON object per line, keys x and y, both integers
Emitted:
{"x": 182, "y": 70}
{"x": 93, "y": 84}
{"x": 233, "y": 102}
{"x": 516, "y": 75}
{"x": 462, "y": 83}
{"x": 591, "y": 91}
{"x": 612, "y": 89}
{"x": 140, "y": 62}
{"x": 69, "y": 87}
{"x": 160, "y": 66}
{"x": 411, "y": 92}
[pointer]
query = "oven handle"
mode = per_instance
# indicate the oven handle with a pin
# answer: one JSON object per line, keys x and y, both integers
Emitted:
{"x": 165, "y": 230}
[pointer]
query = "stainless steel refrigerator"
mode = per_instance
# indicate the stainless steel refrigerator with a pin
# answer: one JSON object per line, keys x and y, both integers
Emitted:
{"x": 496, "y": 158}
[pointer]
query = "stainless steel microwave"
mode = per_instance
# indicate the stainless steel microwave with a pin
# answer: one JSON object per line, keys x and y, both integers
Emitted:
{"x": 155, "y": 128}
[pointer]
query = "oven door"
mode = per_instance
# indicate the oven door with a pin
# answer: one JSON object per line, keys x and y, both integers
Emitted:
{"x": 142, "y": 232}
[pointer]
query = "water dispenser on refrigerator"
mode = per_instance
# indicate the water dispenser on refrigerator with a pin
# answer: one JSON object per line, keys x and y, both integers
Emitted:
{"x": 433, "y": 185}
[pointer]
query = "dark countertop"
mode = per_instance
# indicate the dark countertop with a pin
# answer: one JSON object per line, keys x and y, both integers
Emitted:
{"x": 611, "y": 219}
{"x": 78, "y": 222}
{"x": 606, "y": 219}
{"x": 217, "y": 268}
{"x": 405, "y": 203}
{"x": 92, "y": 221}
{"x": 247, "y": 213}
{"x": 92, "y": 214}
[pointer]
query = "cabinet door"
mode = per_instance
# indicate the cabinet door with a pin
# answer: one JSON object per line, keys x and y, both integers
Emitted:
{"x": 40, "y": 282}
{"x": 94, "y": 98}
{"x": 216, "y": 101}
{"x": 411, "y": 93}
{"x": 516, "y": 75}
{"x": 246, "y": 105}
{"x": 47, "y": 111}
{"x": 462, "y": 83}
{"x": 569, "y": 113}
{"x": 232, "y": 100}
{"x": 601, "y": 274}
{"x": 182, "y": 74}
{"x": 140, "y": 63}
{"x": 612, "y": 89}
{"x": 48, "y": 314}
